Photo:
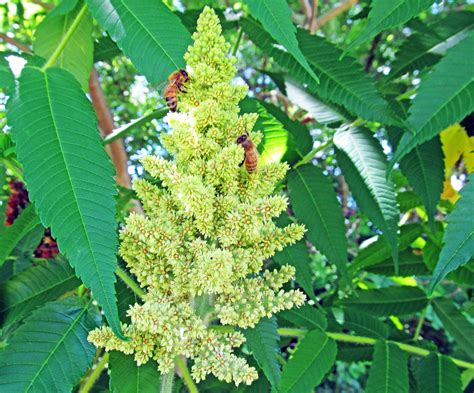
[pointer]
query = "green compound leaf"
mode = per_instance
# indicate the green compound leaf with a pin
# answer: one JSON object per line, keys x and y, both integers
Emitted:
{"x": 315, "y": 204}
{"x": 314, "y": 106}
{"x": 35, "y": 286}
{"x": 263, "y": 341}
{"x": 300, "y": 133}
{"x": 389, "y": 371}
{"x": 431, "y": 252}
{"x": 408, "y": 200}
{"x": 385, "y": 15}
{"x": 363, "y": 164}
{"x": 443, "y": 99}
{"x": 105, "y": 49}
{"x": 26, "y": 246}
{"x": 275, "y": 16}
{"x": 297, "y": 255}
{"x": 74, "y": 188}
{"x": 456, "y": 324}
{"x": 78, "y": 53}
{"x": 424, "y": 169}
{"x": 364, "y": 324}
{"x": 142, "y": 30}
{"x": 50, "y": 351}
{"x": 342, "y": 82}
{"x": 387, "y": 301}
{"x": 458, "y": 237}
{"x": 421, "y": 50}
{"x": 410, "y": 264}
{"x": 354, "y": 353}
{"x": 314, "y": 356}
{"x": 278, "y": 144}
{"x": 127, "y": 377}
{"x": 379, "y": 251}
{"x": 7, "y": 80}
{"x": 11, "y": 236}
{"x": 305, "y": 316}
{"x": 438, "y": 373}
{"x": 190, "y": 17}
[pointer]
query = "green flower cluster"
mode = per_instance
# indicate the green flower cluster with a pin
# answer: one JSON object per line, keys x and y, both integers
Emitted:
{"x": 199, "y": 251}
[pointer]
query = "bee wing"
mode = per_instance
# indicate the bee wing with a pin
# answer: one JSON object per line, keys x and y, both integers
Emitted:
{"x": 161, "y": 87}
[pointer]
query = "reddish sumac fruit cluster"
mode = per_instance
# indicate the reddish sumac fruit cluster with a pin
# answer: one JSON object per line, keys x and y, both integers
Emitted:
{"x": 18, "y": 200}
{"x": 48, "y": 248}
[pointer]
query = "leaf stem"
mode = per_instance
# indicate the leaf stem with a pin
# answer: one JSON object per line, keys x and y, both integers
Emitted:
{"x": 371, "y": 341}
{"x": 420, "y": 324}
{"x": 308, "y": 157}
{"x": 237, "y": 42}
{"x": 186, "y": 376}
{"x": 407, "y": 94}
{"x": 166, "y": 382}
{"x": 95, "y": 374}
{"x": 128, "y": 280}
{"x": 57, "y": 52}
{"x": 125, "y": 130}
{"x": 222, "y": 329}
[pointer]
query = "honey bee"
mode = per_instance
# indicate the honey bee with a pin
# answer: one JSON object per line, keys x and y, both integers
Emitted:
{"x": 251, "y": 154}
{"x": 175, "y": 84}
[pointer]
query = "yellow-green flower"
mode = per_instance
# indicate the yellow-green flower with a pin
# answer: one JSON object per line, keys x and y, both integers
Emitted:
{"x": 199, "y": 251}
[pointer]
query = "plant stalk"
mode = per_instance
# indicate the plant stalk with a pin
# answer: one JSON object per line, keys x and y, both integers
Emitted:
{"x": 95, "y": 374}
{"x": 186, "y": 376}
{"x": 57, "y": 52}
{"x": 166, "y": 382}
{"x": 237, "y": 42}
{"x": 308, "y": 157}
{"x": 294, "y": 332}
{"x": 128, "y": 280}
{"x": 124, "y": 131}
{"x": 420, "y": 324}
{"x": 349, "y": 338}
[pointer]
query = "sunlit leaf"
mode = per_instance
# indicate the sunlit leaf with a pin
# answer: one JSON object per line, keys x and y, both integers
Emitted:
{"x": 278, "y": 144}
{"x": 78, "y": 53}
{"x": 320, "y": 111}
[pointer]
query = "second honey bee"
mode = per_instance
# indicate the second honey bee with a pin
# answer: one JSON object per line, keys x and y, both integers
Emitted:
{"x": 251, "y": 154}
{"x": 176, "y": 82}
